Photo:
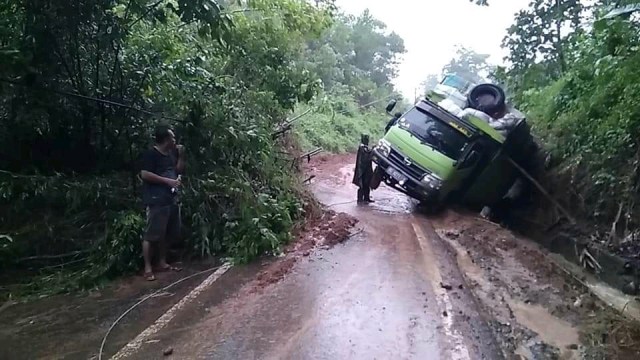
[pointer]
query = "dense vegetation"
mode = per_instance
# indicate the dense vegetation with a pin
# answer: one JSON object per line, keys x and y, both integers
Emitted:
{"x": 573, "y": 68}
{"x": 466, "y": 63}
{"x": 83, "y": 83}
{"x": 355, "y": 60}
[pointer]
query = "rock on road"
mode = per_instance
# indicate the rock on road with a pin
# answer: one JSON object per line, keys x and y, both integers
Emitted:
{"x": 393, "y": 291}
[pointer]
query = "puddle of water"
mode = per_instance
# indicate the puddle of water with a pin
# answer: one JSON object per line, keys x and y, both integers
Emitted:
{"x": 341, "y": 195}
{"x": 549, "y": 328}
{"x": 524, "y": 352}
{"x": 459, "y": 350}
{"x": 468, "y": 267}
{"x": 346, "y": 173}
{"x": 392, "y": 203}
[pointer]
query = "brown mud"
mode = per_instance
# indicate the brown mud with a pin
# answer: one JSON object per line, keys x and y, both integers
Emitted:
{"x": 330, "y": 229}
{"x": 72, "y": 326}
{"x": 538, "y": 310}
{"x": 360, "y": 281}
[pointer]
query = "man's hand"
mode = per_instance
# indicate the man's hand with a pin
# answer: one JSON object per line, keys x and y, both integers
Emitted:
{"x": 173, "y": 183}
{"x": 180, "y": 150}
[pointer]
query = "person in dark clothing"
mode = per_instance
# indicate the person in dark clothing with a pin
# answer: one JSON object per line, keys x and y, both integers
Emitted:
{"x": 392, "y": 122}
{"x": 162, "y": 166}
{"x": 364, "y": 170}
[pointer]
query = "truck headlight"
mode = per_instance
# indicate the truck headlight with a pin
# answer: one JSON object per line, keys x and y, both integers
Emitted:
{"x": 432, "y": 181}
{"x": 384, "y": 147}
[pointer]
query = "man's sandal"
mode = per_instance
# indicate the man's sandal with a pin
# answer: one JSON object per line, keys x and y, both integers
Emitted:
{"x": 149, "y": 276}
{"x": 170, "y": 268}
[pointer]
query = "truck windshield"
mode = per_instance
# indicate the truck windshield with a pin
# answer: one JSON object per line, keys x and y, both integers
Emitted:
{"x": 434, "y": 132}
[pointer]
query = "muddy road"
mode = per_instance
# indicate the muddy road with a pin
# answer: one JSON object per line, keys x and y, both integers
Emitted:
{"x": 377, "y": 281}
{"x": 389, "y": 291}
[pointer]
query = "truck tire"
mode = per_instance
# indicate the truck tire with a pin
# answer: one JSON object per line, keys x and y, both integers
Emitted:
{"x": 487, "y": 98}
{"x": 430, "y": 207}
{"x": 376, "y": 179}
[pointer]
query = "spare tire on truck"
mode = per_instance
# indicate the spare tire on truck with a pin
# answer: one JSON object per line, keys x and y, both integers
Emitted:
{"x": 488, "y": 98}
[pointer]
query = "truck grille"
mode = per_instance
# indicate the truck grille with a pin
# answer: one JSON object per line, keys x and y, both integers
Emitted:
{"x": 412, "y": 170}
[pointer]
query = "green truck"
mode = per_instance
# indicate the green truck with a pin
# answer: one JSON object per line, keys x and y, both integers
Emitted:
{"x": 439, "y": 153}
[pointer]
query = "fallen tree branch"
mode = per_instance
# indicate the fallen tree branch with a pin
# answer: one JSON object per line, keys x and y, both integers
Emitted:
{"x": 614, "y": 226}
{"x": 310, "y": 154}
{"x": 64, "y": 264}
{"x": 51, "y": 257}
{"x": 543, "y": 190}
{"x": 288, "y": 122}
{"x": 587, "y": 260}
{"x": 357, "y": 232}
{"x": 281, "y": 131}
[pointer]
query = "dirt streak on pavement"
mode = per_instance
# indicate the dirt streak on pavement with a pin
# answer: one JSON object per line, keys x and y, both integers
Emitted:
{"x": 538, "y": 311}
{"x": 377, "y": 281}
{"x": 390, "y": 291}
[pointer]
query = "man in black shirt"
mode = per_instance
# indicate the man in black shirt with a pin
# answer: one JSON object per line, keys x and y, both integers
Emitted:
{"x": 363, "y": 172}
{"x": 161, "y": 169}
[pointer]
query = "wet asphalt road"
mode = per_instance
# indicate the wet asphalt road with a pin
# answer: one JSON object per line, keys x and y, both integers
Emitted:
{"x": 391, "y": 292}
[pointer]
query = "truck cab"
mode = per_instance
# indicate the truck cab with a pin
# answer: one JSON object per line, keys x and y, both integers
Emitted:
{"x": 436, "y": 156}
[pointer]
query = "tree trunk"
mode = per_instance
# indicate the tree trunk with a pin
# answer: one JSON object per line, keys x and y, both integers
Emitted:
{"x": 558, "y": 44}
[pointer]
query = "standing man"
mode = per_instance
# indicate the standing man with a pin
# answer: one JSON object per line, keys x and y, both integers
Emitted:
{"x": 364, "y": 170}
{"x": 161, "y": 169}
{"x": 392, "y": 122}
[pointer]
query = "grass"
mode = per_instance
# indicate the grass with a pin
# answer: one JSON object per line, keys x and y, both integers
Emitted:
{"x": 339, "y": 133}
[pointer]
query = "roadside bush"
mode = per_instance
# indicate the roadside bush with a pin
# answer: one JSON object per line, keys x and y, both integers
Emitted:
{"x": 84, "y": 83}
{"x": 71, "y": 186}
{"x": 590, "y": 120}
{"x": 337, "y": 124}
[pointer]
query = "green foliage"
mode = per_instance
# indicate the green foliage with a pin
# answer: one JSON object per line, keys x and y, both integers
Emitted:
{"x": 227, "y": 81}
{"x": 589, "y": 118}
{"x": 121, "y": 250}
{"x": 225, "y": 77}
{"x": 338, "y": 128}
{"x": 356, "y": 55}
{"x": 466, "y": 63}
{"x": 355, "y": 60}
{"x": 539, "y": 43}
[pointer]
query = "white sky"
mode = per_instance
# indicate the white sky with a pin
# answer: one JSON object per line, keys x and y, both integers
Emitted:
{"x": 432, "y": 28}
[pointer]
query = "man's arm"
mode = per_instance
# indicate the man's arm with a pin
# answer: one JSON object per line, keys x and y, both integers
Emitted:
{"x": 147, "y": 174}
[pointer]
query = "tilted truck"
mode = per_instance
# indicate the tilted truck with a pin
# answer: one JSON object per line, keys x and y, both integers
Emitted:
{"x": 443, "y": 149}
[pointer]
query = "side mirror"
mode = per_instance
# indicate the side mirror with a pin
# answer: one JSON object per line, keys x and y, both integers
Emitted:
{"x": 391, "y": 105}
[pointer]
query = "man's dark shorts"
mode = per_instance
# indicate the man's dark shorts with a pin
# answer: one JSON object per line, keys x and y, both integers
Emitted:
{"x": 163, "y": 223}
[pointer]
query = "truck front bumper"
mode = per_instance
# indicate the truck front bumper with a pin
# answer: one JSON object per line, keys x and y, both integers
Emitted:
{"x": 400, "y": 179}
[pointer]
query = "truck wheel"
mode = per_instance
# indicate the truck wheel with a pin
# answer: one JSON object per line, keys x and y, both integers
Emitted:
{"x": 487, "y": 98}
{"x": 430, "y": 207}
{"x": 377, "y": 178}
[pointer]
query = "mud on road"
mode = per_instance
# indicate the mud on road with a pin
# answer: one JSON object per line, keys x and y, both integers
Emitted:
{"x": 377, "y": 281}
{"x": 538, "y": 310}
{"x": 534, "y": 308}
